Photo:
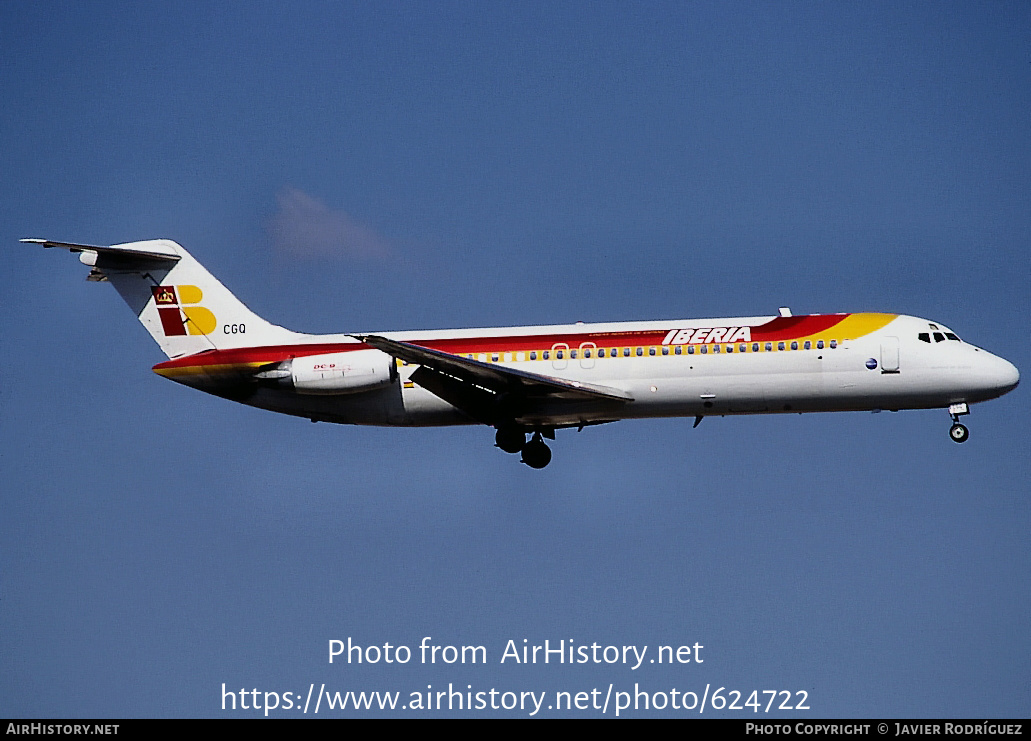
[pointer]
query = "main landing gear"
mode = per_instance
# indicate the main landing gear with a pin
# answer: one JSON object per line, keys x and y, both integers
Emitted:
{"x": 535, "y": 453}
{"x": 959, "y": 433}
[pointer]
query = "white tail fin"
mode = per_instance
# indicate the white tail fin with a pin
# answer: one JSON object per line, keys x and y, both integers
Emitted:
{"x": 183, "y": 306}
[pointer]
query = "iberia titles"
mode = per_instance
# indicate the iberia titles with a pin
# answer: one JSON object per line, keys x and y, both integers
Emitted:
{"x": 707, "y": 335}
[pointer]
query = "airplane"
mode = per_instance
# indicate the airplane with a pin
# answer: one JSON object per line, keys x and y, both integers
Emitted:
{"x": 528, "y": 382}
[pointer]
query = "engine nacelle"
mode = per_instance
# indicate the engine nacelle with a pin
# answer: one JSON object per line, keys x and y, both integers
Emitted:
{"x": 335, "y": 373}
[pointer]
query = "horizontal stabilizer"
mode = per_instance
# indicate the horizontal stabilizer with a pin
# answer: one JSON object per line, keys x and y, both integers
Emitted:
{"x": 155, "y": 249}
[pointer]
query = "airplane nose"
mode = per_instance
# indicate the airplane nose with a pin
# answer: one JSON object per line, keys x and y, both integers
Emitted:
{"x": 1010, "y": 376}
{"x": 1002, "y": 375}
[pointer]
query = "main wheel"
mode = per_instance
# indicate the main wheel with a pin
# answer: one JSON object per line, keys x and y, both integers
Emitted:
{"x": 536, "y": 454}
{"x": 510, "y": 440}
{"x": 959, "y": 433}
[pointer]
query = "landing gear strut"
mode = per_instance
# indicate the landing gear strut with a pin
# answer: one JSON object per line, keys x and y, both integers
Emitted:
{"x": 959, "y": 433}
{"x": 536, "y": 454}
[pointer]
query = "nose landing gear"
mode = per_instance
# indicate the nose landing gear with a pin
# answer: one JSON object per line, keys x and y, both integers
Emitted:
{"x": 958, "y": 432}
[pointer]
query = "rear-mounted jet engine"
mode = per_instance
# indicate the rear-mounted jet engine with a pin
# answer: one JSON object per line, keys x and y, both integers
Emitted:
{"x": 335, "y": 373}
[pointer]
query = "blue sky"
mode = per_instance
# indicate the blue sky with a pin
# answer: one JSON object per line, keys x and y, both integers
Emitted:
{"x": 378, "y": 166}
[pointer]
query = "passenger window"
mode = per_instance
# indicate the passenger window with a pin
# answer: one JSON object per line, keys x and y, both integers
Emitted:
{"x": 494, "y": 357}
{"x": 730, "y": 348}
{"x": 572, "y": 354}
{"x": 626, "y": 352}
{"x": 808, "y": 345}
{"x": 769, "y": 346}
{"x": 545, "y": 354}
{"x": 780, "y": 345}
{"x": 794, "y": 345}
{"x": 678, "y": 350}
{"x": 651, "y": 350}
{"x": 705, "y": 349}
{"x": 587, "y": 353}
{"x": 834, "y": 344}
{"x": 755, "y": 347}
{"x": 742, "y": 347}
{"x": 939, "y": 337}
{"x": 533, "y": 355}
{"x": 640, "y": 351}
{"x": 715, "y": 348}
{"x": 559, "y": 355}
{"x": 665, "y": 350}
{"x": 690, "y": 349}
{"x": 819, "y": 344}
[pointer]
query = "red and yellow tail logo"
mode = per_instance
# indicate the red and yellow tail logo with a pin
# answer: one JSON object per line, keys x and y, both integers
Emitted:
{"x": 180, "y": 315}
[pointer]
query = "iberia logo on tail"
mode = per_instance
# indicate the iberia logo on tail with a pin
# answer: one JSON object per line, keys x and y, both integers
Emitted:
{"x": 180, "y": 315}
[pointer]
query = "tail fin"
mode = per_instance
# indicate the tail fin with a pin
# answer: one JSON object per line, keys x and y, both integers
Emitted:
{"x": 183, "y": 306}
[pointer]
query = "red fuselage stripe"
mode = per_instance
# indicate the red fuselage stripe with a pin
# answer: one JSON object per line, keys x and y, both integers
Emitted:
{"x": 779, "y": 328}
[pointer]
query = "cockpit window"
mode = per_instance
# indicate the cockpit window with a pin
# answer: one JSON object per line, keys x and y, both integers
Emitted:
{"x": 924, "y": 337}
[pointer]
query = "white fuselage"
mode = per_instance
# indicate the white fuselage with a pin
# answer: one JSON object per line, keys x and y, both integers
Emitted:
{"x": 890, "y": 368}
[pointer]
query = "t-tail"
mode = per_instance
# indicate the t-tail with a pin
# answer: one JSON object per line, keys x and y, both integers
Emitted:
{"x": 183, "y": 306}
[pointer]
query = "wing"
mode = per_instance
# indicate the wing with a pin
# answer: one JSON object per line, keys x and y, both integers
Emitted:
{"x": 488, "y": 392}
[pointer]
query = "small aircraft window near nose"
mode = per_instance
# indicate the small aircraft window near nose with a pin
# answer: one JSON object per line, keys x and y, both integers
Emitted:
{"x": 939, "y": 337}
{"x": 951, "y": 336}
{"x": 924, "y": 337}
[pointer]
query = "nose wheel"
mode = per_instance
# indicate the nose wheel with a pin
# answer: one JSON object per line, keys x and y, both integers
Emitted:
{"x": 958, "y": 432}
